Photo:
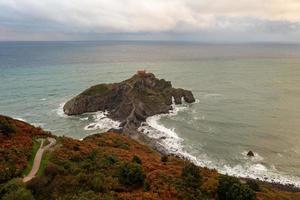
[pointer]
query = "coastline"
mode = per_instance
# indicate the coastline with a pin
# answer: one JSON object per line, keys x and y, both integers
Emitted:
{"x": 154, "y": 141}
{"x": 110, "y": 152}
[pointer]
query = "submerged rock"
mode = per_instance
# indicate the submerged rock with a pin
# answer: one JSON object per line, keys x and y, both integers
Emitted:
{"x": 130, "y": 101}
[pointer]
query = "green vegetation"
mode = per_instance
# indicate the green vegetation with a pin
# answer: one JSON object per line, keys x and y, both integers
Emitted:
{"x": 230, "y": 188}
{"x": 164, "y": 159}
{"x": 35, "y": 148}
{"x": 146, "y": 186}
{"x": 98, "y": 182}
{"x": 225, "y": 183}
{"x": 6, "y": 128}
{"x": 189, "y": 185}
{"x": 191, "y": 175}
{"x": 136, "y": 159}
{"x": 240, "y": 192}
{"x": 131, "y": 174}
{"x": 46, "y": 142}
{"x": 253, "y": 184}
{"x": 97, "y": 89}
{"x": 20, "y": 194}
{"x": 99, "y": 167}
{"x": 15, "y": 190}
{"x": 44, "y": 163}
{"x": 16, "y": 147}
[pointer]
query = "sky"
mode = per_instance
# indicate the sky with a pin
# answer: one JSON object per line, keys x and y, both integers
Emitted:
{"x": 180, "y": 20}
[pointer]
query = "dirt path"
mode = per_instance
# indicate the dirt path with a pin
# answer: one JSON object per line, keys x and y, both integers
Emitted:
{"x": 38, "y": 158}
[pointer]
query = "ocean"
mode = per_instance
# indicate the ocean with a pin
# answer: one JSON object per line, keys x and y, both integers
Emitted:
{"x": 247, "y": 97}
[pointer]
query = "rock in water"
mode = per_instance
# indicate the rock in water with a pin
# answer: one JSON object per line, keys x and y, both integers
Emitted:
{"x": 130, "y": 101}
{"x": 250, "y": 154}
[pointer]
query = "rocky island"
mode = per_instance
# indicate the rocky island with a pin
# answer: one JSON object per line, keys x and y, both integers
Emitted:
{"x": 113, "y": 166}
{"x": 130, "y": 101}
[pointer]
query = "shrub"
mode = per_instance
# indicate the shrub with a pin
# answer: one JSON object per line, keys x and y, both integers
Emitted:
{"x": 111, "y": 159}
{"x": 92, "y": 156}
{"x": 164, "y": 159}
{"x": 20, "y": 194}
{"x": 189, "y": 184}
{"x": 89, "y": 195}
{"x": 253, "y": 184}
{"x": 225, "y": 182}
{"x": 37, "y": 184}
{"x": 6, "y": 128}
{"x": 15, "y": 190}
{"x": 97, "y": 89}
{"x": 98, "y": 182}
{"x": 240, "y": 192}
{"x": 10, "y": 186}
{"x": 146, "y": 186}
{"x": 136, "y": 159}
{"x": 8, "y": 173}
{"x": 230, "y": 188}
{"x": 76, "y": 147}
{"x": 105, "y": 162}
{"x": 83, "y": 178}
{"x": 191, "y": 175}
{"x": 131, "y": 174}
{"x": 52, "y": 170}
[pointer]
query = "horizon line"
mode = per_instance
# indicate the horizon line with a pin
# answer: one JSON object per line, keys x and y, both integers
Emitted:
{"x": 159, "y": 41}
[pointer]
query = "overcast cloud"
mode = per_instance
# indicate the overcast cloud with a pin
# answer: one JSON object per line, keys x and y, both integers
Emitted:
{"x": 203, "y": 20}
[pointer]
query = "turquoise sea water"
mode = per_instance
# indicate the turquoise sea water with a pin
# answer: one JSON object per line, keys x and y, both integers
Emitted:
{"x": 247, "y": 97}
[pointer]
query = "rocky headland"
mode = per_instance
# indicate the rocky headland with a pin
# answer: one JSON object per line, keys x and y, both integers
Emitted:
{"x": 130, "y": 101}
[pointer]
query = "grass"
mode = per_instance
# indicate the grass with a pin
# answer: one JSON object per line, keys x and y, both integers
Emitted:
{"x": 44, "y": 162}
{"x": 97, "y": 89}
{"x": 35, "y": 148}
{"x": 46, "y": 142}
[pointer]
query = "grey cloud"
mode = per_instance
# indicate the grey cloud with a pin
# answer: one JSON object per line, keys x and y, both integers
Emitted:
{"x": 222, "y": 20}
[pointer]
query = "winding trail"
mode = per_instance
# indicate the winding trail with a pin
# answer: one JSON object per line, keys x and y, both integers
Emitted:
{"x": 37, "y": 159}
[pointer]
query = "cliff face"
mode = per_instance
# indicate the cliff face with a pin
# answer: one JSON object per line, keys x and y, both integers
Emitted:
{"x": 130, "y": 101}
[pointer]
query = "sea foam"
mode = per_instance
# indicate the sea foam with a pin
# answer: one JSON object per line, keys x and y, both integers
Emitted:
{"x": 60, "y": 110}
{"x": 102, "y": 122}
{"x": 168, "y": 138}
{"x": 253, "y": 168}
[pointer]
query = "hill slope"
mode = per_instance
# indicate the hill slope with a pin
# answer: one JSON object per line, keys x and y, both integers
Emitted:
{"x": 114, "y": 166}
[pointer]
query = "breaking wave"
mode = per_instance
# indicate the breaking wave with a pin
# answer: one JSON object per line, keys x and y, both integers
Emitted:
{"x": 252, "y": 168}
{"x": 100, "y": 119}
{"x": 102, "y": 122}
{"x": 167, "y": 137}
{"x": 60, "y": 110}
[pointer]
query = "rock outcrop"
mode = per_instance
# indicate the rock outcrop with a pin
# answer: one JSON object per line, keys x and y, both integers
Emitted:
{"x": 250, "y": 154}
{"x": 130, "y": 101}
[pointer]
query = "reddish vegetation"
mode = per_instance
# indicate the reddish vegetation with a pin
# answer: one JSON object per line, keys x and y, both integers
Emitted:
{"x": 162, "y": 177}
{"x": 91, "y": 169}
{"x": 15, "y": 146}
